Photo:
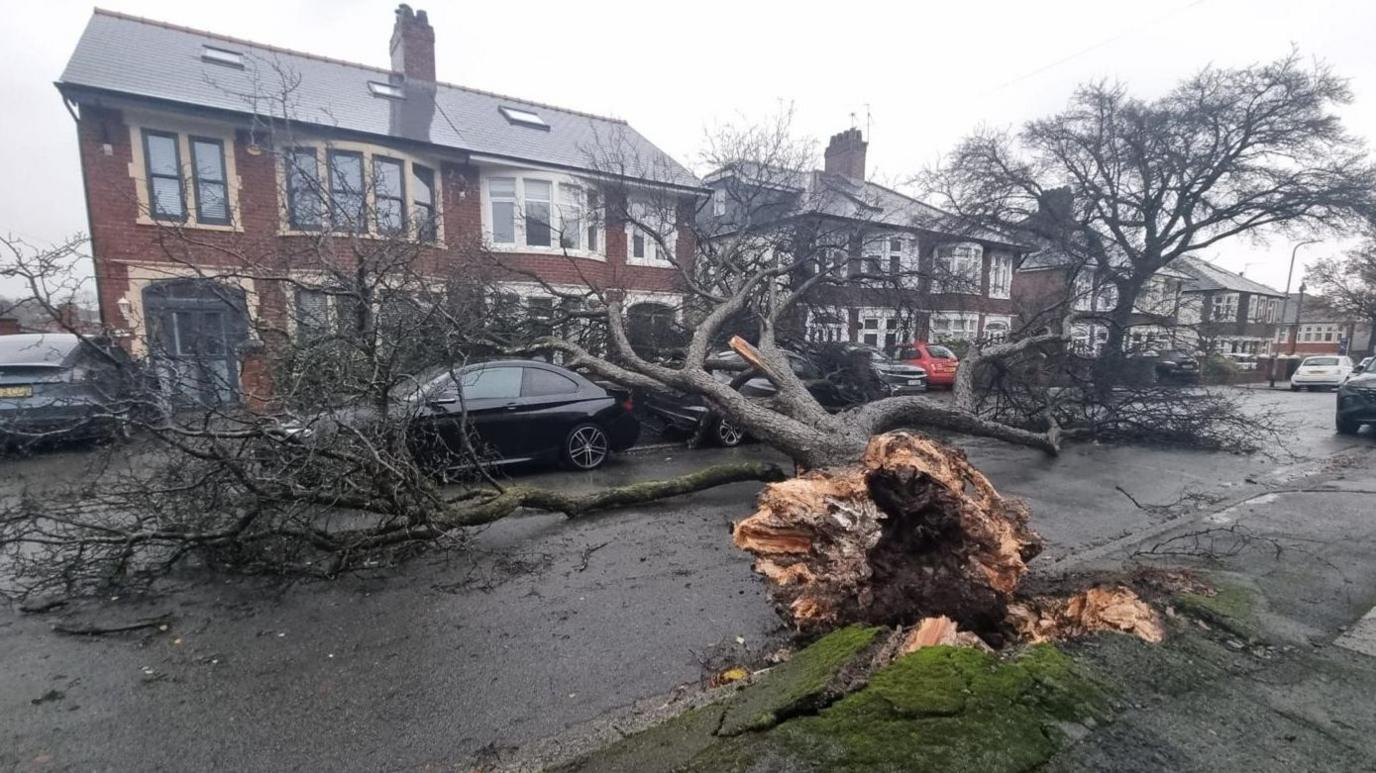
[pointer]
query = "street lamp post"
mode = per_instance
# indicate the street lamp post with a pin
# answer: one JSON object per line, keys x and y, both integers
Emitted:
{"x": 1299, "y": 309}
{"x": 1290, "y": 277}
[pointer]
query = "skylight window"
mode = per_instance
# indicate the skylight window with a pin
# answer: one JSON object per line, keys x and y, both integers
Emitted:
{"x": 523, "y": 117}
{"x": 389, "y": 90}
{"x": 222, "y": 56}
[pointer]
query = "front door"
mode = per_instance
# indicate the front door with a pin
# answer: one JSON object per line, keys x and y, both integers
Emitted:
{"x": 194, "y": 330}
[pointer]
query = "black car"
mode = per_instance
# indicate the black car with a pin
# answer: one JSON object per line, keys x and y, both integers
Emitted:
{"x": 688, "y": 413}
{"x": 1169, "y": 367}
{"x": 515, "y": 411}
{"x": 63, "y": 386}
{"x": 1356, "y": 403}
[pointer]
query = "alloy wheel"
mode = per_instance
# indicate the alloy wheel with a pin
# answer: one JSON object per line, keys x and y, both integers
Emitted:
{"x": 587, "y": 447}
{"x": 728, "y": 434}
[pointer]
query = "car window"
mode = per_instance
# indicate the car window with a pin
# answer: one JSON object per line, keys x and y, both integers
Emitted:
{"x": 908, "y": 353}
{"x": 1321, "y": 361}
{"x": 941, "y": 353}
{"x": 489, "y": 383}
{"x": 542, "y": 383}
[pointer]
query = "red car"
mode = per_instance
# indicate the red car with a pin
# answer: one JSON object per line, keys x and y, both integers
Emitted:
{"x": 939, "y": 362}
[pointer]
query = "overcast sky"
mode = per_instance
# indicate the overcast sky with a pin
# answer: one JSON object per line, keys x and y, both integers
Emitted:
{"x": 918, "y": 75}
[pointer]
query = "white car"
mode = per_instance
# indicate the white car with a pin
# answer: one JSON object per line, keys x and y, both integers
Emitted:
{"x": 1326, "y": 371}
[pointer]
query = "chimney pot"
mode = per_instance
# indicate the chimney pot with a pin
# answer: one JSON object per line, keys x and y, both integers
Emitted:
{"x": 413, "y": 45}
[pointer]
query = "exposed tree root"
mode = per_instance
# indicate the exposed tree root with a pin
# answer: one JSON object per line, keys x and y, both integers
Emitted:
{"x": 914, "y": 535}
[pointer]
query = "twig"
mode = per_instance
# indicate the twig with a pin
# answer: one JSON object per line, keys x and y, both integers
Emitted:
{"x": 73, "y": 629}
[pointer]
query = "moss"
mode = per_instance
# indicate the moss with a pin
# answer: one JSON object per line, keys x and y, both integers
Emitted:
{"x": 664, "y": 747}
{"x": 797, "y": 686}
{"x": 941, "y": 708}
{"x": 1232, "y": 607}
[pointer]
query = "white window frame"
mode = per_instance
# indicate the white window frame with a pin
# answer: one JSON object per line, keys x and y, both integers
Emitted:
{"x": 1106, "y": 297}
{"x": 943, "y": 326}
{"x": 1082, "y": 291}
{"x": 667, "y": 232}
{"x": 1003, "y": 328}
{"x": 1001, "y": 276}
{"x": 958, "y": 259}
{"x": 888, "y": 329}
{"x": 828, "y": 325}
{"x": 588, "y": 216}
{"x": 1228, "y": 303}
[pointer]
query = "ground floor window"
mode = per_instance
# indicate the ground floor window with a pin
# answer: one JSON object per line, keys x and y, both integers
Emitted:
{"x": 996, "y": 329}
{"x": 954, "y": 326}
{"x": 827, "y": 325}
{"x": 881, "y": 328}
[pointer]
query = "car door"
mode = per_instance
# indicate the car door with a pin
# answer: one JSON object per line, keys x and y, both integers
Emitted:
{"x": 552, "y": 403}
{"x": 486, "y": 399}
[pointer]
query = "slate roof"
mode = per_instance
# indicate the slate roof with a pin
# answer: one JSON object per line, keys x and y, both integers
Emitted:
{"x": 144, "y": 58}
{"x": 1205, "y": 276}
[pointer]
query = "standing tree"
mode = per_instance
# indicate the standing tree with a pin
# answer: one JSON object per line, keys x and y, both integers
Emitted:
{"x": 1122, "y": 185}
{"x": 1349, "y": 284}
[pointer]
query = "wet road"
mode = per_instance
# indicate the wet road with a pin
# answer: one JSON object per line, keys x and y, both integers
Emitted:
{"x": 543, "y": 623}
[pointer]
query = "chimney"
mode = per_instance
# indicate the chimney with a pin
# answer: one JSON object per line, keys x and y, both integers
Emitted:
{"x": 413, "y": 45}
{"x": 846, "y": 154}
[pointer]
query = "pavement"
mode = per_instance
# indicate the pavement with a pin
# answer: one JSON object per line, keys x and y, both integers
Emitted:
{"x": 541, "y": 625}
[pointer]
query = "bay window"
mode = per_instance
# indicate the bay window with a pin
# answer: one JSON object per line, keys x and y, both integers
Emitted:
{"x": 958, "y": 268}
{"x": 1224, "y": 307}
{"x": 570, "y": 217}
{"x": 954, "y": 326}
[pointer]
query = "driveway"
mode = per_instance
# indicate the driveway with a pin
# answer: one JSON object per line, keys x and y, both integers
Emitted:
{"x": 541, "y": 624}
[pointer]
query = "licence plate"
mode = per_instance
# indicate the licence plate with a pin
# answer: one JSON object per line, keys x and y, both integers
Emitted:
{"x": 16, "y": 391}
{"x": 914, "y": 381}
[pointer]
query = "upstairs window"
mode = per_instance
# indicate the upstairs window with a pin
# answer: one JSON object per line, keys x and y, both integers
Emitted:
{"x": 537, "y": 205}
{"x": 1001, "y": 276}
{"x": 592, "y": 231}
{"x": 423, "y": 204}
{"x": 719, "y": 202}
{"x": 208, "y": 180}
{"x": 162, "y": 158}
{"x": 1106, "y": 299}
{"x": 304, "y": 201}
{"x": 570, "y": 217}
{"x": 1083, "y": 291}
{"x": 501, "y": 192}
{"x": 389, "y": 196}
{"x": 958, "y": 268}
{"x": 651, "y": 237}
{"x": 1225, "y": 307}
{"x": 346, "y": 191}
{"x": 523, "y": 117}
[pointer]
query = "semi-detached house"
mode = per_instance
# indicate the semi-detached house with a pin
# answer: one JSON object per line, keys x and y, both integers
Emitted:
{"x": 170, "y": 124}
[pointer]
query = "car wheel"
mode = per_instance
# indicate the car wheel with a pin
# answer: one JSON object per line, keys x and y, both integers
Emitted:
{"x": 1294, "y": 388}
{"x": 586, "y": 447}
{"x": 728, "y": 435}
{"x": 1347, "y": 426}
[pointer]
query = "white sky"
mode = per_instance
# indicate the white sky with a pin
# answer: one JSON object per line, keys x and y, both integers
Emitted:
{"x": 924, "y": 73}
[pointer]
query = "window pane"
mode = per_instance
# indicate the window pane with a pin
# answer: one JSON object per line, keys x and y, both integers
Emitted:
{"x": 537, "y": 190}
{"x": 303, "y": 183}
{"x": 503, "y": 222}
{"x": 388, "y": 178}
{"x": 502, "y": 187}
{"x": 537, "y": 223}
{"x": 540, "y": 383}
{"x": 570, "y": 217}
{"x": 346, "y": 190}
{"x": 210, "y": 162}
{"x": 167, "y": 197}
{"x": 389, "y": 216}
{"x": 212, "y": 203}
{"x": 638, "y": 246}
{"x": 162, "y": 155}
{"x": 425, "y": 184}
{"x": 488, "y": 383}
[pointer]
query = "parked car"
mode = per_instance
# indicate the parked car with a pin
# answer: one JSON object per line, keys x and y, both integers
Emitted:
{"x": 1171, "y": 366}
{"x": 898, "y": 377}
{"x": 939, "y": 362}
{"x": 517, "y": 410}
{"x": 1356, "y": 403}
{"x": 687, "y": 413}
{"x": 63, "y": 386}
{"x": 1327, "y": 371}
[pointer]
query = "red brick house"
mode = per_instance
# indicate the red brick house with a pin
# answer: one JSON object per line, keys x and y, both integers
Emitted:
{"x": 906, "y": 277}
{"x": 175, "y": 132}
{"x": 1309, "y": 325}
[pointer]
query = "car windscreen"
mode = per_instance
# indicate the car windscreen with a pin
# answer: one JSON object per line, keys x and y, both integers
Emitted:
{"x": 940, "y": 352}
{"x": 1320, "y": 362}
{"x": 36, "y": 349}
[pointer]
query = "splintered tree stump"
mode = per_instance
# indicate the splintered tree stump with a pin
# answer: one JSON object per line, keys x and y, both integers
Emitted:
{"x": 913, "y": 531}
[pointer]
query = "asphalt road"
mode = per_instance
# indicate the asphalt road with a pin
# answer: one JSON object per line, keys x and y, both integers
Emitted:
{"x": 540, "y": 624}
